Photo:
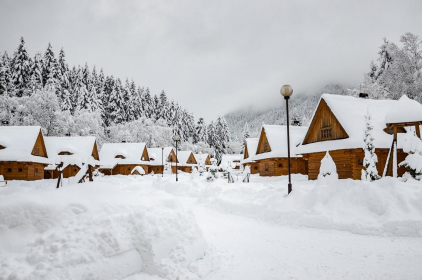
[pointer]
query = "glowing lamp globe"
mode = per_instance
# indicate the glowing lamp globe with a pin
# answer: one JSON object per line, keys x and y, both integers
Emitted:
{"x": 286, "y": 90}
{"x": 176, "y": 138}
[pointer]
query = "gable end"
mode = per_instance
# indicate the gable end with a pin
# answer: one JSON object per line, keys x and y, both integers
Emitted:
{"x": 263, "y": 144}
{"x": 39, "y": 146}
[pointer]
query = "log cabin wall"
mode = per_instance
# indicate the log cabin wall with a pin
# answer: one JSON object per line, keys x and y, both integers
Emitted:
{"x": 28, "y": 171}
{"x": 279, "y": 166}
{"x": 187, "y": 169}
{"x": 253, "y": 166}
{"x": 324, "y": 126}
{"x": 126, "y": 169}
{"x": 349, "y": 162}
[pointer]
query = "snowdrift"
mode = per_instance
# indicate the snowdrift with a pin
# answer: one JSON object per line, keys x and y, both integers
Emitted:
{"x": 92, "y": 230}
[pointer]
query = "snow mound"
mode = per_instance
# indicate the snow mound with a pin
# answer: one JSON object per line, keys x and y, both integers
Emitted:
{"x": 71, "y": 232}
{"x": 383, "y": 207}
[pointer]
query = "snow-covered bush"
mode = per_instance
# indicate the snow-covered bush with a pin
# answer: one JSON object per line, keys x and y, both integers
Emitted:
{"x": 167, "y": 169}
{"x": 370, "y": 173}
{"x": 194, "y": 173}
{"x": 328, "y": 170}
{"x": 246, "y": 174}
{"x": 413, "y": 162}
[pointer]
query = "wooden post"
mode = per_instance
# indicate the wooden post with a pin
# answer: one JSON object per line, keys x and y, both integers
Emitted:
{"x": 418, "y": 132}
{"x": 90, "y": 173}
{"x": 395, "y": 131}
{"x": 60, "y": 174}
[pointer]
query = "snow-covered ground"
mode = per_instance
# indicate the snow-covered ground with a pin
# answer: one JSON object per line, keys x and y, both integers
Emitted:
{"x": 134, "y": 227}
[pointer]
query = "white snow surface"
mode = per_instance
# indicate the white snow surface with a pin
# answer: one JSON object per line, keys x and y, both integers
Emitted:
{"x": 158, "y": 156}
{"x": 19, "y": 142}
{"x": 201, "y": 158}
{"x": 131, "y": 151}
{"x": 140, "y": 170}
{"x": 252, "y": 145}
{"x": 230, "y": 160}
{"x": 405, "y": 110}
{"x": 277, "y": 138}
{"x": 350, "y": 112}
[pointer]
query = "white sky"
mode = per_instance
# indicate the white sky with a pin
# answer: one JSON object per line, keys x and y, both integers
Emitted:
{"x": 214, "y": 56}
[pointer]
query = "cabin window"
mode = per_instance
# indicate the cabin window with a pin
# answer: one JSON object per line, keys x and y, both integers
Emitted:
{"x": 266, "y": 167}
{"x": 280, "y": 165}
{"x": 128, "y": 169}
{"x": 65, "y": 153}
{"x": 74, "y": 170}
{"x": 266, "y": 147}
{"x": 360, "y": 161}
{"x": 35, "y": 171}
{"x": 1, "y": 147}
{"x": 120, "y": 156}
{"x": 256, "y": 167}
{"x": 37, "y": 151}
{"x": 326, "y": 133}
{"x": 8, "y": 170}
{"x": 20, "y": 170}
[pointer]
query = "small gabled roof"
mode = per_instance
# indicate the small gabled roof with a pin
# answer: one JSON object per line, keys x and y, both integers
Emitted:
{"x": 405, "y": 111}
{"x": 18, "y": 142}
{"x": 80, "y": 147}
{"x": 157, "y": 155}
{"x": 133, "y": 153}
{"x": 229, "y": 159}
{"x": 201, "y": 158}
{"x": 277, "y": 139}
{"x": 183, "y": 156}
{"x": 250, "y": 149}
{"x": 350, "y": 112}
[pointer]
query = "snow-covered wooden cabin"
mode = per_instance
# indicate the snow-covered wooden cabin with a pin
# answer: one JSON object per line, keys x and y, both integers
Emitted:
{"x": 272, "y": 152}
{"x": 204, "y": 160}
{"x": 122, "y": 158}
{"x": 159, "y": 157}
{"x": 23, "y": 154}
{"x": 338, "y": 126}
{"x": 185, "y": 162}
{"x": 230, "y": 160}
{"x": 248, "y": 153}
{"x": 73, "y": 152}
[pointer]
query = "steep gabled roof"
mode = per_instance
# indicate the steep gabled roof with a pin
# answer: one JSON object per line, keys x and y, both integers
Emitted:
{"x": 405, "y": 111}
{"x": 350, "y": 112}
{"x": 81, "y": 149}
{"x": 183, "y": 158}
{"x": 18, "y": 144}
{"x": 126, "y": 153}
{"x": 202, "y": 158}
{"x": 277, "y": 139}
{"x": 156, "y": 154}
{"x": 250, "y": 150}
{"x": 232, "y": 159}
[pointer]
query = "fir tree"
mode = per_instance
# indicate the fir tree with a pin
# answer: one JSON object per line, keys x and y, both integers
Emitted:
{"x": 21, "y": 70}
{"x": 246, "y": 135}
{"x": 370, "y": 173}
{"x": 36, "y": 82}
{"x": 50, "y": 73}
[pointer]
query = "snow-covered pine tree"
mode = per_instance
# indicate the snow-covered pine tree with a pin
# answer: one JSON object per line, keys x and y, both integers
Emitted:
{"x": 156, "y": 108}
{"x": 21, "y": 70}
{"x": 413, "y": 162}
{"x": 108, "y": 100}
{"x": 36, "y": 82}
{"x": 148, "y": 104}
{"x": 50, "y": 72}
{"x": 116, "y": 99}
{"x": 164, "y": 111}
{"x": 137, "y": 103}
{"x": 370, "y": 173}
{"x": 199, "y": 134}
{"x": 246, "y": 135}
{"x": 5, "y": 74}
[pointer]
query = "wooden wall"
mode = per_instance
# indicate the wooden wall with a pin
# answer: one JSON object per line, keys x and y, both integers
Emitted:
{"x": 349, "y": 162}
{"x": 253, "y": 166}
{"x": 279, "y": 166}
{"x": 126, "y": 169}
{"x": 28, "y": 171}
{"x": 324, "y": 118}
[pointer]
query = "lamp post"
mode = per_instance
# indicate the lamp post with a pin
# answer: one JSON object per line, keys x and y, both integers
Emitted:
{"x": 162, "y": 161}
{"x": 287, "y": 91}
{"x": 176, "y": 138}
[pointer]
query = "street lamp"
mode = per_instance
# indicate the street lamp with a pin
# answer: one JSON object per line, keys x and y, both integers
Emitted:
{"x": 287, "y": 91}
{"x": 176, "y": 138}
{"x": 162, "y": 161}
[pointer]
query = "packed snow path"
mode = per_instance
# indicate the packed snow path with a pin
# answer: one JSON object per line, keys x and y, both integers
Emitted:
{"x": 256, "y": 249}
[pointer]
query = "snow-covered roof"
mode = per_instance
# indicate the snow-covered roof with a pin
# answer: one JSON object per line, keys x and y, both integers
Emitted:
{"x": 18, "y": 143}
{"x": 251, "y": 145}
{"x": 201, "y": 158}
{"x": 158, "y": 156}
{"x": 132, "y": 153}
{"x": 230, "y": 159}
{"x": 80, "y": 147}
{"x": 404, "y": 111}
{"x": 139, "y": 169}
{"x": 350, "y": 112}
{"x": 182, "y": 158}
{"x": 277, "y": 138}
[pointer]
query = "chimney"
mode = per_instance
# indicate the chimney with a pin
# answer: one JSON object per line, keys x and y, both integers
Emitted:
{"x": 363, "y": 95}
{"x": 123, "y": 141}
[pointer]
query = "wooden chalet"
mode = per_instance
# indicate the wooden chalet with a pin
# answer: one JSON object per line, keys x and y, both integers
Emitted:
{"x": 338, "y": 126}
{"x": 230, "y": 160}
{"x": 23, "y": 154}
{"x": 159, "y": 157}
{"x": 73, "y": 152}
{"x": 122, "y": 158}
{"x": 204, "y": 160}
{"x": 272, "y": 153}
{"x": 185, "y": 162}
{"x": 248, "y": 153}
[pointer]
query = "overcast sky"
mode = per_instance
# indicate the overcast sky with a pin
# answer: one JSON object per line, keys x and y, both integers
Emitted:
{"x": 214, "y": 57}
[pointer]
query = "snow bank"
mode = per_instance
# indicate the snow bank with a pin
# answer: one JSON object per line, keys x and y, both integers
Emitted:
{"x": 78, "y": 231}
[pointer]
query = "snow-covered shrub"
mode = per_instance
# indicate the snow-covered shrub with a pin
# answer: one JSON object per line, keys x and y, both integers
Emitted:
{"x": 246, "y": 174}
{"x": 167, "y": 169}
{"x": 370, "y": 173}
{"x": 413, "y": 162}
{"x": 194, "y": 173}
{"x": 328, "y": 170}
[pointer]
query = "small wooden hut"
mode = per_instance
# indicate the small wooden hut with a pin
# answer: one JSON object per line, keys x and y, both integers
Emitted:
{"x": 186, "y": 161}
{"x": 230, "y": 160}
{"x": 72, "y": 151}
{"x": 159, "y": 157}
{"x": 204, "y": 160}
{"x": 122, "y": 158}
{"x": 248, "y": 153}
{"x": 23, "y": 154}
{"x": 338, "y": 125}
{"x": 272, "y": 152}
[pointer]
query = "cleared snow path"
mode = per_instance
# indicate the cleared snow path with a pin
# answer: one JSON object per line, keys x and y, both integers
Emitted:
{"x": 254, "y": 249}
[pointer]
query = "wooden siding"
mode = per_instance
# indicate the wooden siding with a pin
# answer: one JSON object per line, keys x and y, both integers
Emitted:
{"x": 172, "y": 157}
{"x": 279, "y": 166}
{"x": 349, "y": 162}
{"x": 253, "y": 166}
{"x": 95, "y": 151}
{"x": 28, "y": 171}
{"x": 191, "y": 159}
{"x": 324, "y": 118}
{"x": 124, "y": 169}
{"x": 187, "y": 169}
{"x": 145, "y": 155}
{"x": 39, "y": 147}
{"x": 263, "y": 145}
